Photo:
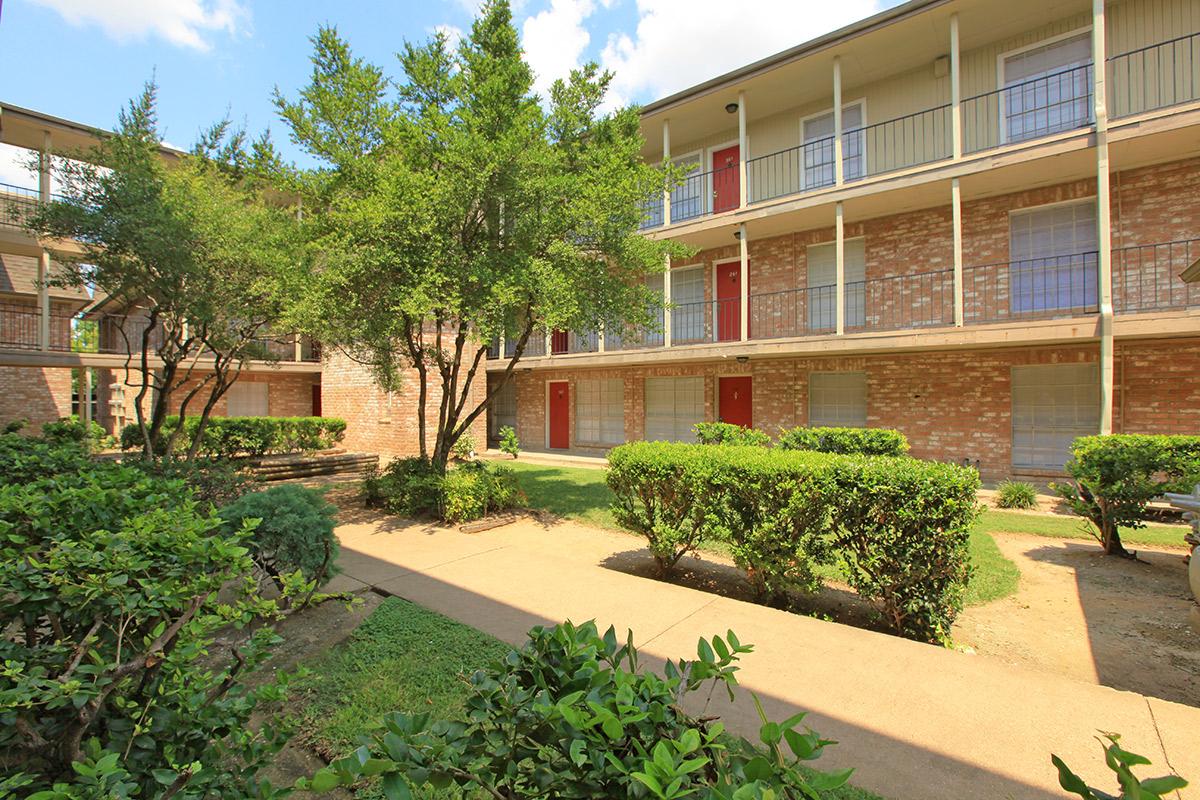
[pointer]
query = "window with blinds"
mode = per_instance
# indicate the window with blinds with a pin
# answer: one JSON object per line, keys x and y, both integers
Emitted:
{"x": 837, "y": 399}
{"x": 673, "y": 406}
{"x": 818, "y": 147}
{"x": 822, "y": 284}
{"x": 1048, "y": 89}
{"x": 1054, "y": 258}
{"x": 600, "y": 411}
{"x": 1052, "y": 405}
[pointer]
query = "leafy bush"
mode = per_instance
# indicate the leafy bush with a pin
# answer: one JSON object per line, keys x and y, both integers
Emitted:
{"x": 860, "y": 441}
{"x": 24, "y": 458}
{"x": 413, "y": 487}
{"x": 72, "y": 429}
{"x": 293, "y": 532}
{"x": 1121, "y": 762}
{"x": 1016, "y": 494}
{"x": 14, "y": 426}
{"x": 464, "y": 448}
{"x": 1114, "y": 478}
{"x": 902, "y": 530}
{"x": 572, "y": 714}
{"x": 226, "y": 437}
{"x": 213, "y": 481}
{"x": 725, "y": 433}
{"x": 110, "y": 579}
{"x": 509, "y": 442}
{"x": 771, "y": 507}
{"x": 901, "y": 526}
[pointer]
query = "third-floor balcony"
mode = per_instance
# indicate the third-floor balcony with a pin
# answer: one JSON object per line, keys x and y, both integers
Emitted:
{"x": 1034, "y": 103}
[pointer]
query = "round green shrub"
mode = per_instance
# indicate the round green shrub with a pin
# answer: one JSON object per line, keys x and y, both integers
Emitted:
{"x": 295, "y": 531}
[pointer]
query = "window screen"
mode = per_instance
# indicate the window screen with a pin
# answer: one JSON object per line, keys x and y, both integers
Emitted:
{"x": 818, "y": 147}
{"x": 1054, "y": 258}
{"x": 673, "y": 406}
{"x": 504, "y": 408}
{"x": 837, "y": 399}
{"x": 1052, "y": 406}
{"x": 600, "y": 411}
{"x": 822, "y": 284}
{"x": 246, "y": 399}
{"x": 1048, "y": 89}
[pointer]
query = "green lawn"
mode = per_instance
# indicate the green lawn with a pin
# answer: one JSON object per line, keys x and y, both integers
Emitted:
{"x": 1057, "y": 526}
{"x": 580, "y": 493}
{"x": 401, "y": 658}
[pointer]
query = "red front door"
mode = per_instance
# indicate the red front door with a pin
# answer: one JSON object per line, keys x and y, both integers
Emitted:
{"x": 316, "y": 400}
{"x": 735, "y": 400}
{"x": 729, "y": 301}
{"x": 558, "y": 342}
{"x": 560, "y": 415}
{"x": 726, "y": 182}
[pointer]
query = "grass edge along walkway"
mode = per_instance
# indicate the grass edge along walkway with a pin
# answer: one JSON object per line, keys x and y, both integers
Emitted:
{"x": 403, "y": 657}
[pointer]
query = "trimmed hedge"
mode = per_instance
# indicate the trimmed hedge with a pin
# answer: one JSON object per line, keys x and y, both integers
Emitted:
{"x": 847, "y": 441}
{"x": 900, "y": 526}
{"x": 725, "y": 433}
{"x": 1114, "y": 478}
{"x": 411, "y": 487}
{"x": 225, "y": 437}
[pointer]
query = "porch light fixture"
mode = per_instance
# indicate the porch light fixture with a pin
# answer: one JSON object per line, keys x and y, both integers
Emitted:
{"x": 737, "y": 233}
{"x": 731, "y": 108}
{"x": 743, "y": 359}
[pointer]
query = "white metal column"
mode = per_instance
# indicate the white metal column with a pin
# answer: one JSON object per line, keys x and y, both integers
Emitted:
{"x": 1103, "y": 218}
{"x": 957, "y": 148}
{"x": 839, "y": 250}
{"x": 666, "y": 282}
{"x": 744, "y": 283}
{"x": 43, "y": 269}
{"x": 838, "y": 174}
{"x": 666, "y": 160}
{"x": 742, "y": 150}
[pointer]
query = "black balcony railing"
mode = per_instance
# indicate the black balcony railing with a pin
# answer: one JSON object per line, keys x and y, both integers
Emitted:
{"x": 1157, "y": 76}
{"x": 706, "y": 193}
{"x": 1030, "y": 109}
{"x": 1146, "y": 277}
{"x": 1036, "y": 288}
{"x": 801, "y": 168}
{"x": 900, "y": 143}
{"x": 17, "y": 205}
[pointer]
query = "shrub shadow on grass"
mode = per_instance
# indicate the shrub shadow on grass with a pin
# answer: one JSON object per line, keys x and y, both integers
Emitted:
{"x": 710, "y": 574}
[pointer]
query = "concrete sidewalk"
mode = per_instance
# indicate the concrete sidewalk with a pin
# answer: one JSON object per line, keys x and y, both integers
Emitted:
{"x": 917, "y": 722}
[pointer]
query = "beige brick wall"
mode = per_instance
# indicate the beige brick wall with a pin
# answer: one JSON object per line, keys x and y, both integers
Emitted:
{"x": 386, "y": 422}
{"x": 34, "y": 393}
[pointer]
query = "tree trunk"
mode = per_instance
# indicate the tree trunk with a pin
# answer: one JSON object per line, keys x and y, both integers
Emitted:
{"x": 1112, "y": 541}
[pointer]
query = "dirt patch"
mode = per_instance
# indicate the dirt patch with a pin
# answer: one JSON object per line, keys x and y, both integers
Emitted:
{"x": 1092, "y": 617}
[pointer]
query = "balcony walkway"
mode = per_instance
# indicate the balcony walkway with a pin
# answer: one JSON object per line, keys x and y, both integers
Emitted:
{"x": 917, "y": 722}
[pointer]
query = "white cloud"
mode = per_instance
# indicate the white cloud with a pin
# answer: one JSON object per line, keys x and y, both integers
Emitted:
{"x": 184, "y": 23}
{"x": 679, "y": 43}
{"x": 555, "y": 38}
{"x": 453, "y": 34}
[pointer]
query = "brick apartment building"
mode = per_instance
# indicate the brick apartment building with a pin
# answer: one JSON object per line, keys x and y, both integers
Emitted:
{"x": 943, "y": 219}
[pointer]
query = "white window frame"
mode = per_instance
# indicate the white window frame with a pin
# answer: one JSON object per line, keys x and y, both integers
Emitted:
{"x": 804, "y": 184}
{"x": 840, "y": 423}
{"x": 689, "y": 433}
{"x": 1013, "y": 294}
{"x": 1080, "y": 431}
{"x": 509, "y": 386}
{"x": 243, "y": 386}
{"x": 600, "y": 420}
{"x": 854, "y": 317}
{"x": 693, "y": 155}
{"x": 1001, "y": 115}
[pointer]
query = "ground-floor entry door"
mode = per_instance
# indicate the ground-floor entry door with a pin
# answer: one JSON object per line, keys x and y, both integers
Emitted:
{"x": 735, "y": 400}
{"x": 559, "y": 410}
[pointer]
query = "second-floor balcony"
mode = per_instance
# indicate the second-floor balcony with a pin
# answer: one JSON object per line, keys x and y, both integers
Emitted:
{"x": 1145, "y": 280}
{"x": 1024, "y": 110}
{"x": 21, "y": 329}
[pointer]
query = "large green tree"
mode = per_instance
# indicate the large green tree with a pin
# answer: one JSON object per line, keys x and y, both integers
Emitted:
{"x": 454, "y": 206}
{"x": 196, "y": 255}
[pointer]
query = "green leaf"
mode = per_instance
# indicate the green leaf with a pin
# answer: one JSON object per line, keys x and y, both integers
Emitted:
{"x": 705, "y": 652}
{"x": 1163, "y": 785}
{"x": 612, "y": 728}
{"x": 578, "y": 752}
{"x": 828, "y": 781}
{"x": 324, "y": 780}
{"x": 650, "y": 782}
{"x": 395, "y": 787}
{"x": 1070, "y": 781}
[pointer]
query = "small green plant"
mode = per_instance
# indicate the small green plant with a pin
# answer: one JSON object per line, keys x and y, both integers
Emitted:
{"x": 293, "y": 533}
{"x": 73, "y": 429}
{"x": 412, "y": 487}
{"x": 1121, "y": 762}
{"x": 213, "y": 481}
{"x": 14, "y": 426}
{"x": 509, "y": 442}
{"x": 1016, "y": 494}
{"x": 725, "y": 433}
{"x": 573, "y": 709}
{"x": 464, "y": 448}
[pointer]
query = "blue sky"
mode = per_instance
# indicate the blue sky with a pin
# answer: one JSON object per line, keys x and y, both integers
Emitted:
{"x": 83, "y": 59}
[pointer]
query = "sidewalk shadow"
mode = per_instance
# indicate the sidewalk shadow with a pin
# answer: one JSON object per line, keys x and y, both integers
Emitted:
{"x": 1136, "y": 614}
